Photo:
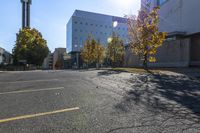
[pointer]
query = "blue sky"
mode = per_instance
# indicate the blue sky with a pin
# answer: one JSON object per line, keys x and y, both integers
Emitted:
{"x": 51, "y": 16}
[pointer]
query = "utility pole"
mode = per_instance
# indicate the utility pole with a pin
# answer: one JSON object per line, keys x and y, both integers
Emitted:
{"x": 26, "y": 13}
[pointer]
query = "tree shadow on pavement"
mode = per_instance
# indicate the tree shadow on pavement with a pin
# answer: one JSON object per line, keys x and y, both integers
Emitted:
{"x": 109, "y": 72}
{"x": 177, "y": 95}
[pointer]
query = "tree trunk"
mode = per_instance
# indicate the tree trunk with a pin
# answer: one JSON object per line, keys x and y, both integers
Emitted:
{"x": 145, "y": 62}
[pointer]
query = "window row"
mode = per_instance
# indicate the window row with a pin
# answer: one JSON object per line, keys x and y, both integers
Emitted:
{"x": 93, "y": 32}
{"x": 81, "y": 39}
{"x": 96, "y": 25}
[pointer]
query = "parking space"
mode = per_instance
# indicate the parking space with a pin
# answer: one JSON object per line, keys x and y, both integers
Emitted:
{"x": 32, "y": 95}
{"x": 97, "y": 102}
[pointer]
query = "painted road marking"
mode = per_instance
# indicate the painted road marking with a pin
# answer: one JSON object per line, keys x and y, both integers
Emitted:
{"x": 27, "y": 91}
{"x": 37, "y": 115}
{"x": 28, "y": 81}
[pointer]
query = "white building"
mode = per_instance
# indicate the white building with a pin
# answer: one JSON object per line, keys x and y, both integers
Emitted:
{"x": 180, "y": 19}
{"x": 176, "y": 15}
{"x": 5, "y": 57}
{"x": 101, "y": 26}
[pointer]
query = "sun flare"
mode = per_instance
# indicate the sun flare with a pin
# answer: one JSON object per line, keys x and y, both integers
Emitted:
{"x": 123, "y": 3}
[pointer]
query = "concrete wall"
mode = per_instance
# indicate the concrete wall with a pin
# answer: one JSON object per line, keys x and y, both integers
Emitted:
{"x": 195, "y": 51}
{"x": 174, "y": 53}
{"x": 180, "y": 15}
{"x": 131, "y": 60}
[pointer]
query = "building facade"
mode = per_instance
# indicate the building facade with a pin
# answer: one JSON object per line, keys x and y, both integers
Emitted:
{"x": 100, "y": 26}
{"x": 182, "y": 46}
{"x": 5, "y": 57}
{"x": 48, "y": 62}
{"x": 58, "y": 61}
{"x": 176, "y": 15}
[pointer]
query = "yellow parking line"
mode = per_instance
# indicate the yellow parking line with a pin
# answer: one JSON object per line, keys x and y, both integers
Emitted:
{"x": 37, "y": 115}
{"x": 28, "y": 81}
{"x": 36, "y": 90}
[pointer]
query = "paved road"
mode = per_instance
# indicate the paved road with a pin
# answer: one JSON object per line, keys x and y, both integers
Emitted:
{"x": 98, "y": 102}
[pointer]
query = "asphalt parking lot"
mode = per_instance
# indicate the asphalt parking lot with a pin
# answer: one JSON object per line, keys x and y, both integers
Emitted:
{"x": 97, "y": 102}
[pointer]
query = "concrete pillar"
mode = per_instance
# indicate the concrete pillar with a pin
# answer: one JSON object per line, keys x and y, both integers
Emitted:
{"x": 26, "y": 13}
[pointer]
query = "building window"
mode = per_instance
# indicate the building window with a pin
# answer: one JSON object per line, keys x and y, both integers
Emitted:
{"x": 161, "y": 2}
{"x": 81, "y": 23}
{"x": 91, "y": 24}
{"x": 96, "y": 25}
{"x": 86, "y": 23}
{"x": 75, "y": 22}
{"x": 101, "y": 25}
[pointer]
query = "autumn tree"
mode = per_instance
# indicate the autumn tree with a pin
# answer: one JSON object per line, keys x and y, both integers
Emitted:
{"x": 87, "y": 52}
{"x": 92, "y": 51}
{"x": 144, "y": 35}
{"x": 100, "y": 54}
{"x": 115, "y": 50}
{"x": 30, "y": 46}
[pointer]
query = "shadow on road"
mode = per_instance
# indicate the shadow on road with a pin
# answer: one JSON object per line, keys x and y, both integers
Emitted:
{"x": 174, "y": 94}
{"x": 109, "y": 72}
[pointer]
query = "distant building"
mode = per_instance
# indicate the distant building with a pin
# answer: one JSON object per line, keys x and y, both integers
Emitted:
{"x": 5, "y": 57}
{"x": 101, "y": 26}
{"x": 48, "y": 62}
{"x": 58, "y": 61}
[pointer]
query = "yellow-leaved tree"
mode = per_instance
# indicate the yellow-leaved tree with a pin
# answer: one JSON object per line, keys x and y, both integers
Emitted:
{"x": 87, "y": 52}
{"x": 145, "y": 37}
{"x": 115, "y": 51}
{"x": 100, "y": 54}
{"x": 92, "y": 52}
{"x": 30, "y": 46}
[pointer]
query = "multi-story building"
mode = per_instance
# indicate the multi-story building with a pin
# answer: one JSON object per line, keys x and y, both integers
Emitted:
{"x": 177, "y": 15}
{"x": 5, "y": 57}
{"x": 48, "y": 62}
{"x": 58, "y": 61}
{"x": 101, "y": 26}
{"x": 180, "y": 20}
